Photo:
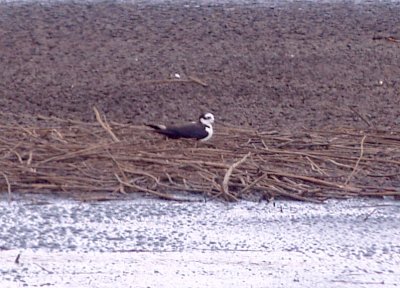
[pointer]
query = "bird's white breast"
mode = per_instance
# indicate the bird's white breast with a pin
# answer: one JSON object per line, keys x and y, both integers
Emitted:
{"x": 210, "y": 132}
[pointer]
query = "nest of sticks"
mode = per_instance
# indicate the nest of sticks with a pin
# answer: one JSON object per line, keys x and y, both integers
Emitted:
{"x": 109, "y": 159}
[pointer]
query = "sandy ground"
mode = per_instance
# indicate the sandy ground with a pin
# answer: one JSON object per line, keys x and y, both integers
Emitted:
{"x": 268, "y": 65}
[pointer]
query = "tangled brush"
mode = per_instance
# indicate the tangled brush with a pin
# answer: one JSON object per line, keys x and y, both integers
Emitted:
{"x": 108, "y": 159}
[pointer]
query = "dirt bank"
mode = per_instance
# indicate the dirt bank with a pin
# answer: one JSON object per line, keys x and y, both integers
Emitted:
{"x": 292, "y": 65}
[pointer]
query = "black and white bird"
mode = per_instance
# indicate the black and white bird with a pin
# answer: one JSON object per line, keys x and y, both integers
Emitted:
{"x": 201, "y": 130}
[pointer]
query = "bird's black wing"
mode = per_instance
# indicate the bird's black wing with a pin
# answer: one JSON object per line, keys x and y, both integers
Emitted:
{"x": 196, "y": 131}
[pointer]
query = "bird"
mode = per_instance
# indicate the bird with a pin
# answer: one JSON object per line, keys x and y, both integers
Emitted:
{"x": 201, "y": 130}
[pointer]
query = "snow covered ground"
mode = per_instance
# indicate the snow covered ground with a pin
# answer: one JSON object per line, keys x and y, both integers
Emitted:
{"x": 154, "y": 243}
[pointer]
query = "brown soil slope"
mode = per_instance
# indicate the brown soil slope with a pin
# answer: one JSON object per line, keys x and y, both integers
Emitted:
{"x": 288, "y": 66}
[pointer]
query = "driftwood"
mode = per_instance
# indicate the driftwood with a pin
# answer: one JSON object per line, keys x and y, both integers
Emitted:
{"x": 52, "y": 155}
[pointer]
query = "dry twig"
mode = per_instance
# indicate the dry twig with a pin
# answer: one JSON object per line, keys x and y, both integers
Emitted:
{"x": 358, "y": 160}
{"x": 224, "y": 186}
{"x": 8, "y": 185}
{"x": 105, "y": 125}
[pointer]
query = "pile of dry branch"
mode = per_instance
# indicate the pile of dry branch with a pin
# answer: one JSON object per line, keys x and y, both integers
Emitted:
{"x": 64, "y": 156}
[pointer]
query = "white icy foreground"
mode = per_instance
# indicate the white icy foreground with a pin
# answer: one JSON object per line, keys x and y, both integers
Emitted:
{"x": 150, "y": 243}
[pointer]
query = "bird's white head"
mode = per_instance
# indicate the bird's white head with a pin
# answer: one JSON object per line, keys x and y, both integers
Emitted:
{"x": 206, "y": 118}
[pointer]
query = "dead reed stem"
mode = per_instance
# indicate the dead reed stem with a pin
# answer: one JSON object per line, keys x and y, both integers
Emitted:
{"x": 104, "y": 124}
{"x": 358, "y": 160}
{"x": 225, "y": 187}
{"x": 8, "y": 185}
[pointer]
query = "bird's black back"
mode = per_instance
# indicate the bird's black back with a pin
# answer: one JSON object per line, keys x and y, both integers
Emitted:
{"x": 195, "y": 130}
